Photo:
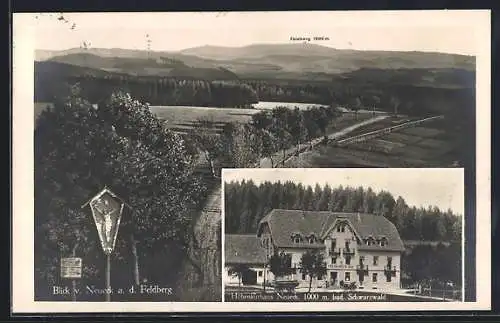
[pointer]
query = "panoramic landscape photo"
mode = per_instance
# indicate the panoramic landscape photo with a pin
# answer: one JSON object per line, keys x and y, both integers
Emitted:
{"x": 145, "y": 116}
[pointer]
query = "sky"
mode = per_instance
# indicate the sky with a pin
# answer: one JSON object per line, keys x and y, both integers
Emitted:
{"x": 448, "y": 31}
{"x": 441, "y": 187}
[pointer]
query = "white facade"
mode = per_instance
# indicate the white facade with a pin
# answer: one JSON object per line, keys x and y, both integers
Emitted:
{"x": 348, "y": 259}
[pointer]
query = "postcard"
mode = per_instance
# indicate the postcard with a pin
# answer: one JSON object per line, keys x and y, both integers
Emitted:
{"x": 245, "y": 161}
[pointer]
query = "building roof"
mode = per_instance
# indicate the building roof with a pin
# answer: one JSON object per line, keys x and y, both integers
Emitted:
{"x": 243, "y": 249}
{"x": 283, "y": 223}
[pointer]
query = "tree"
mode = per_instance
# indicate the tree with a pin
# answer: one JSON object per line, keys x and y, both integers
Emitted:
{"x": 399, "y": 213}
{"x": 238, "y": 270}
{"x": 313, "y": 264}
{"x": 280, "y": 264}
{"x": 80, "y": 149}
{"x": 356, "y": 105}
{"x": 395, "y": 102}
{"x": 208, "y": 141}
{"x": 280, "y": 129}
{"x": 268, "y": 145}
{"x": 240, "y": 148}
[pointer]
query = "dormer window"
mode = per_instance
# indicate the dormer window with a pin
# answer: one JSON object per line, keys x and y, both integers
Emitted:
{"x": 311, "y": 239}
{"x": 296, "y": 238}
{"x": 383, "y": 242}
{"x": 341, "y": 227}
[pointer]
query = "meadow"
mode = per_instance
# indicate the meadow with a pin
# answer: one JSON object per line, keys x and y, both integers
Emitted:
{"x": 429, "y": 145}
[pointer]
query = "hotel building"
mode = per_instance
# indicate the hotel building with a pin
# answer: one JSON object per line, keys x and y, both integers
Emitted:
{"x": 362, "y": 248}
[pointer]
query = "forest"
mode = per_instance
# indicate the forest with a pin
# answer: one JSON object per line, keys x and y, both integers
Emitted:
{"x": 247, "y": 203}
{"x": 394, "y": 90}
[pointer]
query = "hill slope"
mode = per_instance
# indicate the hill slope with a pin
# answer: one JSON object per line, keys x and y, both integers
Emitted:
{"x": 291, "y": 61}
{"x": 161, "y": 66}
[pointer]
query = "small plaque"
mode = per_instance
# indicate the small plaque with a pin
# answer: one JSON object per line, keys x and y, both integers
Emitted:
{"x": 71, "y": 267}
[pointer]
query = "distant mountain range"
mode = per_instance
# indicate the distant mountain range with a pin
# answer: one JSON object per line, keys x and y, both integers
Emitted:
{"x": 288, "y": 61}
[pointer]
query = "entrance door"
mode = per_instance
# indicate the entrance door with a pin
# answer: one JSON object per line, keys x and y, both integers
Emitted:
{"x": 333, "y": 277}
{"x": 249, "y": 277}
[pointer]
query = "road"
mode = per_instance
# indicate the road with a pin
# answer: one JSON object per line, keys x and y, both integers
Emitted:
{"x": 278, "y": 157}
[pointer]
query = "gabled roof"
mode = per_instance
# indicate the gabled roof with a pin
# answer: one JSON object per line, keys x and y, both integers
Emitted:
{"x": 243, "y": 249}
{"x": 284, "y": 222}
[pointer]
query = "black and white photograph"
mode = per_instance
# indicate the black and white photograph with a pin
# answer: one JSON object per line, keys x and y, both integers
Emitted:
{"x": 343, "y": 235}
{"x": 125, "y": 122}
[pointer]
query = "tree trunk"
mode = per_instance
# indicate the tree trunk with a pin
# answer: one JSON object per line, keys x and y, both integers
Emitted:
{"x": 73, "y": 281}
{"x": 136, "y": 261}
{"x": 284, "y": 156}
{"x": 310, "y": 282}
{"x": 272, "y": 162}
{"x": 212, "y": 167}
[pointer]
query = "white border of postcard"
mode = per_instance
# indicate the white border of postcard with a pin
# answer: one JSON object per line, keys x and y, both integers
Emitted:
{"x": 22, "y": 164}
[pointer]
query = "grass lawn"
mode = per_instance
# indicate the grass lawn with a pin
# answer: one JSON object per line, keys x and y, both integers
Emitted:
{"x": 433, "y": 144}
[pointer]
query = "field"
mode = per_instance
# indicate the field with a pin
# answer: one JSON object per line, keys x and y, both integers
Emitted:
{"x": 432, "y": 144}
{"x": 291, "y": 105}
{"x": 181, "y": 119}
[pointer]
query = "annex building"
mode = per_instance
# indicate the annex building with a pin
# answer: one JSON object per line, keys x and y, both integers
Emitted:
{"x": 362, "y": 248}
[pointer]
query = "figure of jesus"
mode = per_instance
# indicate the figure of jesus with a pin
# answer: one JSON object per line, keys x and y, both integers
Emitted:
{"x": 105, "y": 221}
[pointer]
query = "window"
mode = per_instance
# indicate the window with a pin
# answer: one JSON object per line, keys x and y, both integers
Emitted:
{"x": 347, "y": 277}
{"x": 342, "y": 228}
{"x": 361, "y": 260}
{"x": 375, "y": 260}
{"x": 333, "y": 244}
{"x": 338, "y": 228}
{"x": 297, "y": 239}
{"x": 348, "y": 260}
{"x": 303, "y": 276}
{"x": 347, "y": 243}
{"x": 320, "y": 277}
{"x": 260, "y": 273}
{"x": 374, "y": 277}
{"x": 383, "y": 242}
{"x": 334, "y": 260}
{"x": 389, "y": 262}
{"x": 311, "y": 239}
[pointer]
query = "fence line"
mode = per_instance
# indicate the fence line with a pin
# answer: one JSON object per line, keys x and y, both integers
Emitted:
{"x": 380, "y": 132}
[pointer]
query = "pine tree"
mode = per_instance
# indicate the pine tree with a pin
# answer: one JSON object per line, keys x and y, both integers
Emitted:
{"x": 324, "y": 198}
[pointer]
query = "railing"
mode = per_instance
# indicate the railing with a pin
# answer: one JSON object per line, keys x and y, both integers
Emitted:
{"x": 348, "y": 251}
{"x": 390, "y": 271}
{"x": 362, "y": 269}
{"x": 334, "y": 252}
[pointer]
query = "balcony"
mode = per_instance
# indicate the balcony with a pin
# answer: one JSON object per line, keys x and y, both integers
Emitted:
{"x": 362, "y": 269}
{"x": 334, "y": 253}
{"x": 348, "y": 252}
{"x": 390, "y": 271}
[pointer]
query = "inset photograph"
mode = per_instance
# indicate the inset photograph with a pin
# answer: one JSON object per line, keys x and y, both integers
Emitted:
{"x": 343, "y": 235}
